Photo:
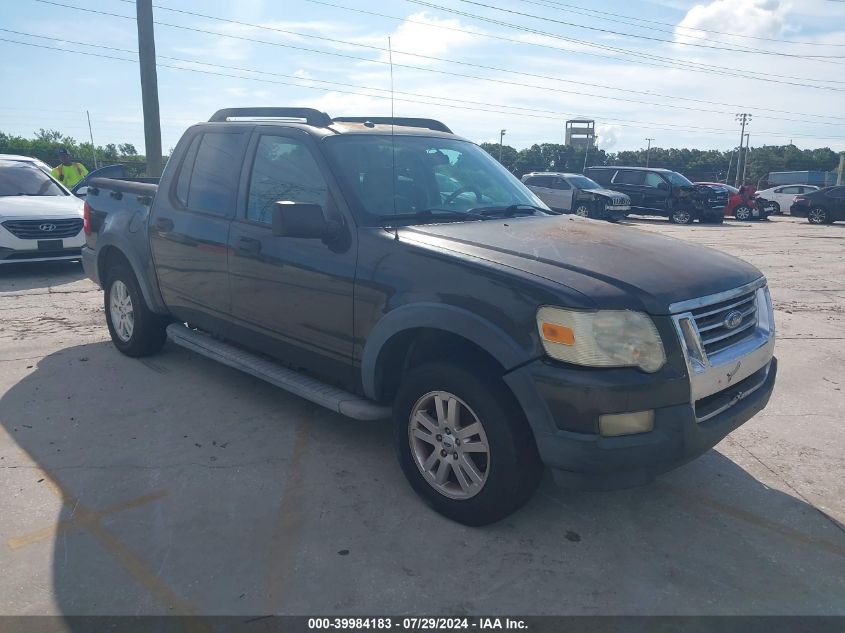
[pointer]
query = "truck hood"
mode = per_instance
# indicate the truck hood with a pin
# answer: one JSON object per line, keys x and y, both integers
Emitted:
{"x": 608, "y": 193}
{"x": 614, "y": 266}
{"x": 40, "y": 207}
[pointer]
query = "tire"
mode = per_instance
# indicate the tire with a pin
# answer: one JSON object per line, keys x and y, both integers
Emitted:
{"x": 775, "y": 208}
{"x": 583, "y": 210}
{"x": 680, "y": 216}
{"x": 496, "y": 482}
{"x": 742, "y": 213}
{"x": 818, "y": 215}
{"x": 135, "y": 330}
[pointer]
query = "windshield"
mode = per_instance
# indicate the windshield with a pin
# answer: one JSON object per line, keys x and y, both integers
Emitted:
{"x": 582, "y": 182}
{"x": 676, "y": 179}
{"x": 25, "y": 180}
{"x": 409, "y": 176}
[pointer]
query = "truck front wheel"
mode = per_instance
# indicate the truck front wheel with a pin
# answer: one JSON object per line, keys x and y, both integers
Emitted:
{"x": 680, "y": 216}
{"x": 135, "y": 330}
{"x": 463, "y": 443}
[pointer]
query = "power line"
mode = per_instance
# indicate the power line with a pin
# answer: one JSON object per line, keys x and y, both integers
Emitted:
{"x": 554, "y": 48}
{"x": 473, "y": 108}
{"x": 704, "y": 68}
{"x": 441, "y": 72}
{"x": 562, "y": 6}
{"x": 755, "y": 51}
{"x": 383, "y": 50}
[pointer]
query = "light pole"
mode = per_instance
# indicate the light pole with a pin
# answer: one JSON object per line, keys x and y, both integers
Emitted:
{"x": 743, "y": 118}
{"x": 501, "y": 143}
{"x": 745, "y": 162}
{"x": 648, "y": 151}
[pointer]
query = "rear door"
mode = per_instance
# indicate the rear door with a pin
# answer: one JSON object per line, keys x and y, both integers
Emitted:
{"x": 189, "y": 228}
{"x": 294, "y": 295}
{"x": 656, "y": 190}
{"x": 837, "y": 207}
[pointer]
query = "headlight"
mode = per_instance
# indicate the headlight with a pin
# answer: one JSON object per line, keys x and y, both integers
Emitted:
{"x": 606, "y": 338}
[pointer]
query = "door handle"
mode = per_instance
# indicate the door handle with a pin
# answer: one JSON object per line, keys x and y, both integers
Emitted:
{"x": 164, "y": 224}
{"x": 249, "y": 246}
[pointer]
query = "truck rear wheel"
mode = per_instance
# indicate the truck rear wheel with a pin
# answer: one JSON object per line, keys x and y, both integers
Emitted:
{"x": 135, "y": 330}
{"x": 463, "y": 443}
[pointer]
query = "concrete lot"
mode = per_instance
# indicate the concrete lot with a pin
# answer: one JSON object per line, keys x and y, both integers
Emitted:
{"x": 174, "y": 485}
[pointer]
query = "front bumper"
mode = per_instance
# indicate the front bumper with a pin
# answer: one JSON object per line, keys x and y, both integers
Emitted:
{"x": 590, "y": 461}
{"x": 43, "y": 249}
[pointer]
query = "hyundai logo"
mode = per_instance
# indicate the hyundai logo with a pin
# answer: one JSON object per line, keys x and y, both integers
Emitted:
{"x": 47, "y": 227}
{"x": 732, "y": 319}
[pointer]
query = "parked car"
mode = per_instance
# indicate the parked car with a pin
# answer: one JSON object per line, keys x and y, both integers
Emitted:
{"x": 28, "y": 159}
{"x": 824, "y": 206}
{"x": 120, "y": 171}
{"x": 743, "y": 207}
{"x": 574, "y": 193}
{"x": 783, "y": 196}
{"x": 39, "y": 219}
{"x": 663, "y": 193}
{"x": 499, "y": 338}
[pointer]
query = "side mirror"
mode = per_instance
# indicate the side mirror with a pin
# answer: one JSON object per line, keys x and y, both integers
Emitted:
{"x": 301, "y": 219}
{"x": 81, "y": 192}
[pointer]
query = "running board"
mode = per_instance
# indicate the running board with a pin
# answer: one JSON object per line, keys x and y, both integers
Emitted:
{"x": 337, "y": 400}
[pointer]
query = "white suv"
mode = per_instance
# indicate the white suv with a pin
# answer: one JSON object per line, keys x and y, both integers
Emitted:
{"x": 40, "y": 220}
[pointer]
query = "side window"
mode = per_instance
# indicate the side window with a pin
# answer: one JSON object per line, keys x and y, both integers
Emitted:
{"x": 185, "y": 170}
{"x": 284, "y": 169}
{"x": 560, "y": 183}
{"x": 532, "y": 181}
{"x": 653, "y": 180}
{"x": 624, "y": 177}
{"x": 214, "y": 178}
{"x": 601, "y": 176}
{"x": 789, "y": 190}
{"x": 541, "y": 181}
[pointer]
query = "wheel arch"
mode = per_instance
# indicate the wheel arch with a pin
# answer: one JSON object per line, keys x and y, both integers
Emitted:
{"x": 414, "y": 333}
{"x": 111, "y": 255}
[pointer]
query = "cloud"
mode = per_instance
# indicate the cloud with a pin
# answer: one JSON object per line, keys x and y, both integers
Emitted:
{"x": 760, "y": 18}
{"x": 417, "y": 37}
{"x": 608, "y": 136}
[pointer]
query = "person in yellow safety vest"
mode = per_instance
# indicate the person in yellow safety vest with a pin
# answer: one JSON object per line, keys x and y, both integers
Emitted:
{"x": 67, "y": 171}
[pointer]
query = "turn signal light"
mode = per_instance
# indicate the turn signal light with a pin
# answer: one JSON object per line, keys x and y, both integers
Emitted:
{"x": 558, "y": 334}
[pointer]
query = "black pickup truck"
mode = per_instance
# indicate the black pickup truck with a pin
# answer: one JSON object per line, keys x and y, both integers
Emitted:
{"x": 324, "y": 256}
{"x": 655, "y": 191}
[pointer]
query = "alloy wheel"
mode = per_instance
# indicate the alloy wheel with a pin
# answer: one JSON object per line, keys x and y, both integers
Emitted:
{"x": 583, "y": 211}
{"x": 817, "y": 216}
{"x": 121, "y": 311}
{"x": 449, "y": 445}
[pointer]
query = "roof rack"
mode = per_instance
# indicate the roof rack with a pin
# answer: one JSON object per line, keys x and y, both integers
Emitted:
{"x": 307, "y": 115}
{"x": 430, "y": 124}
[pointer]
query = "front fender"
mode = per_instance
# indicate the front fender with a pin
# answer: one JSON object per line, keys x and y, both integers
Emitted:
{"x": 438, "y": 316}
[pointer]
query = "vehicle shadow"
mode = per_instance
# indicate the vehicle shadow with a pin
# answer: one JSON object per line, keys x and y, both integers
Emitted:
{"x": 728, "y": 223}
{"x": 177, "y": 486}
{"x": 22, "y": 276}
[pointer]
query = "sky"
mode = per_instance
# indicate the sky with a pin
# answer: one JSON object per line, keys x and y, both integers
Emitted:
{"x": 671, "y": 70}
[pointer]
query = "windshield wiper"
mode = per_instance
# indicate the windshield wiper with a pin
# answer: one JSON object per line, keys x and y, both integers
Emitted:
{"x": 433, "y": 214}
{"x": 509, "y": 211}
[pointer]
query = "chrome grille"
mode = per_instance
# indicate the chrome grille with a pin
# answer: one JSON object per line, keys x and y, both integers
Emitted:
{"x": 711, "y": 322}
{"x": 37, "y": 229}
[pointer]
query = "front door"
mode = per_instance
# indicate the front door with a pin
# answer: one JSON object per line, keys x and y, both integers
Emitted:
{"x": 295, "y": 293}
{"x": 655, "y": 191}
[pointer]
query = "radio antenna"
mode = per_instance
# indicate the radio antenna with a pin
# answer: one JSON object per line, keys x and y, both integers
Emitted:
{"x": 392, "y": 139}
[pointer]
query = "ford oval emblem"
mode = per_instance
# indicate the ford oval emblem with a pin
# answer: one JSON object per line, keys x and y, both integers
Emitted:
{"x": 732, "y": 319}
{"x": 46, "y": 227}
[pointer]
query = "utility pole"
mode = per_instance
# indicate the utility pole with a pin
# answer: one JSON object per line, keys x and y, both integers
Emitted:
{"x": 744, "y": 118}
{"x": 501, "y": 143}
{"x": 149, "y": 86}
{"x": 648, "y": 151}
{"x": 840, "y": 169}
{"x": 91, "y": 134}
{"x": 745, "y": 162}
